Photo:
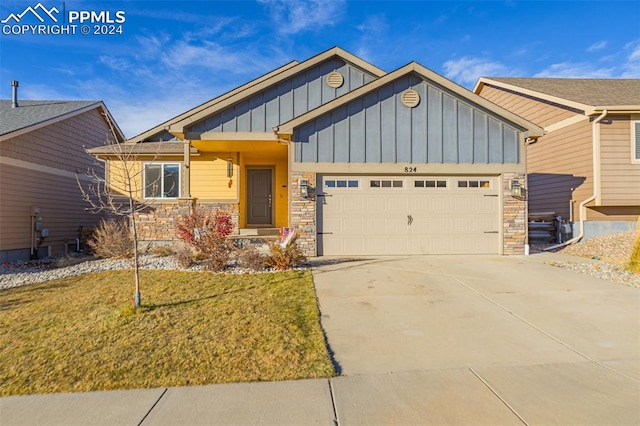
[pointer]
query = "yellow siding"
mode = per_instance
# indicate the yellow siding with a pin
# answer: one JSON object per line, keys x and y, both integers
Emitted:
{"x": 124, "y": 176}
{"x": 538, "y": 112}
{"x": 209, "y": 176}
{"x": 620, "y": 179}
{"x": 281, "y": 193}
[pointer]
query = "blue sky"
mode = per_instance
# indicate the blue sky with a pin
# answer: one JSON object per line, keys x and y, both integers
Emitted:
{"x": 174, "y": 55}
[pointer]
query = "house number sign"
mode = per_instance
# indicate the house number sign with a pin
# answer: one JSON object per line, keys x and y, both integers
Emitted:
{"x": 411, "y": 170}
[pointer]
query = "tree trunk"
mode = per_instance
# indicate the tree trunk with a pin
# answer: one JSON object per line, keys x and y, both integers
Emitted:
{"x": 136, "y": 299}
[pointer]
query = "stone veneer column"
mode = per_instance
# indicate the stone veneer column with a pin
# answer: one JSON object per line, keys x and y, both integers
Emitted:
{"x": 514, "y": 217}
{"x": 303, "y": 212}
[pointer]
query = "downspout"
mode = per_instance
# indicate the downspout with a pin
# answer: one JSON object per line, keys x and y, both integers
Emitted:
{"x": 582, "y": 211}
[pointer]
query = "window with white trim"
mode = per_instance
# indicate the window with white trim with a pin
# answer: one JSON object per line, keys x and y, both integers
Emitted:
{"x": 162, "y": 180}
{"x": 635, "y": 138}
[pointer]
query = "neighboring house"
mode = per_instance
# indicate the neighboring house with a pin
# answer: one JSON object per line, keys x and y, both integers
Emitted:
{"x": 41, "y": 149}
{"x": 358, "y": 161}
{"x": 590, "y": 154}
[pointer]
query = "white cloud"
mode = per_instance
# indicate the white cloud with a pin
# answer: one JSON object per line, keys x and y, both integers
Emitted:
{"x": 576, "y": 70}
{"x": 375, "y": 24}
{"x": 294, "y": 16}
{"x": 467, "y": 70}
{"x": 597, "y": 46}
{"x": 631, "y": 68}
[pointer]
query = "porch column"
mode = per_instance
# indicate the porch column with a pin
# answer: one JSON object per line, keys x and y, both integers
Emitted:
{"x": 186, "y": 164}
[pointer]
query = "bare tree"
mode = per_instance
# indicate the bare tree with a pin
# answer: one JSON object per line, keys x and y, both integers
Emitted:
{"x": 118, "y": 190}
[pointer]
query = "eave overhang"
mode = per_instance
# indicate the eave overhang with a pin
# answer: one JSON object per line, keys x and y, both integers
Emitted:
{"x": 153, "y": 149}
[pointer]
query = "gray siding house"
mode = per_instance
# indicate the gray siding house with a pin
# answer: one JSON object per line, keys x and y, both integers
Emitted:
{"x": 41, "y": 149}
{"x": 358, "y": 161}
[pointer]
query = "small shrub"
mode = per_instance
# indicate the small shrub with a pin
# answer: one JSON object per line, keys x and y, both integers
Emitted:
{"x": 251, "y": 259}
{"x": 634, "y": 259}
{"x": 184, "y": 255}
{"x": 282, "y": 258}
{"x": 207, "y": 233}
{"x": 161, "y": 250}
{"x": 112, "y": 239}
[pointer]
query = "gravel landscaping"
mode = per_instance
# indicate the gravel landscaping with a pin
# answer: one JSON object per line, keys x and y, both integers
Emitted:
{"x": 610, "y": 254}
{"x": 22, "y": 273}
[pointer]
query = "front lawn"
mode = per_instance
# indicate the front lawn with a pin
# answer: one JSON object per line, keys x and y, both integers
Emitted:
{"x": 81, "y": 334}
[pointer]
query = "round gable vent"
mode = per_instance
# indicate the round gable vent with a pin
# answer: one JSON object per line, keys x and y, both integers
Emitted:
{"x": 335, "y": 79}
{"x": 410, "y": 98}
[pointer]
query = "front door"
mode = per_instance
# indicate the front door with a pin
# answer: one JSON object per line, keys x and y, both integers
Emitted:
{"x": 259, "y": 197}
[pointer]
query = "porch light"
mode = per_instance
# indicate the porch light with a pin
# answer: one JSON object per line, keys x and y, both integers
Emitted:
{"x": 229, "y": 167}
{"x": 304, "y": 188}
{"x": 517, "y": 190}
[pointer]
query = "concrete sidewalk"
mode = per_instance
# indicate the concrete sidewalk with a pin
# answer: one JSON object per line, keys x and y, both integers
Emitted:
{"x": 420, "y": 340}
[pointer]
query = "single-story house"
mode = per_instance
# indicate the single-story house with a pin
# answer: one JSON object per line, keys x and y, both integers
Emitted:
{"x": 586, "y": 168}
{"x": 358, "y": 161}
{"x": 41, "y": 149}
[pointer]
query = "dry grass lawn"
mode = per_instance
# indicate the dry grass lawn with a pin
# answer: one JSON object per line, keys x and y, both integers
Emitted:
{"x": 80, "y": 334}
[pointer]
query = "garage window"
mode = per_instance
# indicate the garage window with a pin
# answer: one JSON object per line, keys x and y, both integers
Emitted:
{"x": 430, "y": 183}
{"x": 384, "y": 183}
{"x": 341, "y": 183}
{"x": 474, "y": 184}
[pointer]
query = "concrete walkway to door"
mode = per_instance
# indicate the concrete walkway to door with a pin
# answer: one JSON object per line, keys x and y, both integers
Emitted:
{"x": 479, "y": 340}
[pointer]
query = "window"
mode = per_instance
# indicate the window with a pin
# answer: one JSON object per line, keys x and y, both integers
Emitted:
{"x": 635, "y": 138}
{"x": 380, "y": 183}
{"x": 162, "y": 180}
{"x": 472, "y": 183}
{"x": 341, "y": 183}
{"x": 431, "y": 183}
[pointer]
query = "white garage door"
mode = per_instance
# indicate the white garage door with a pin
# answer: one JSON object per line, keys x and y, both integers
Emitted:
{"x": 378, "y": 215}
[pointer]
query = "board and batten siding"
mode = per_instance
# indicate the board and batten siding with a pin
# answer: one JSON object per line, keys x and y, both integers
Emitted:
{"x": 537, "y": 111}
{"x": 556, "y": 163}
{"x": 379, "y": 128}
{"x": 286, "y": 100}
{"x": 620, "y": 178}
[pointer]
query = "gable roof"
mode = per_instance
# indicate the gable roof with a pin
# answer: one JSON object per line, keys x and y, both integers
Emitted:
{"x": 177, "y": 124}
{"x": 531, "y": 129}
{"x": 162, "y": 127}
{"x": 30, "y": 115}
{"x": 584, "y": 93}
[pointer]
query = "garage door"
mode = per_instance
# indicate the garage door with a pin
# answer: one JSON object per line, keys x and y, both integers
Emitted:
{"x": 379, "y": 215}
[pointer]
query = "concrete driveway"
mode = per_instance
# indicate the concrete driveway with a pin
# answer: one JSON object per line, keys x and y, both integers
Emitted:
{"x": 480, "y": 340}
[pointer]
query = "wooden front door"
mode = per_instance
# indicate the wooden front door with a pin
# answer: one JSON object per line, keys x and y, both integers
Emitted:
{"x": 260, "y": 197}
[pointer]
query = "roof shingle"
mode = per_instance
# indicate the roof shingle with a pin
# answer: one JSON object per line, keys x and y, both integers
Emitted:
{"x": 29, "y": 113}
{"x": 587, "y": 91}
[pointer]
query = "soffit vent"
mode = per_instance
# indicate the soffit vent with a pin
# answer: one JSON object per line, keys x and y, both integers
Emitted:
{"x": 410, "y": 98}
{"x": 335, "y": 79}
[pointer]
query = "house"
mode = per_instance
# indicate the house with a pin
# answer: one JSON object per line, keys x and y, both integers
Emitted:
{"x": 41, "y": 149}
{"x": 358, "y": 161}
{"x": 586, "y": 168}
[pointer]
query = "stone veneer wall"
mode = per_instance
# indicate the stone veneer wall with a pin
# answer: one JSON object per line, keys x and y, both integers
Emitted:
{"x": 157, "y": 222}
{"x": 303, "y": 213}
{"x": 514, "y": 218}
